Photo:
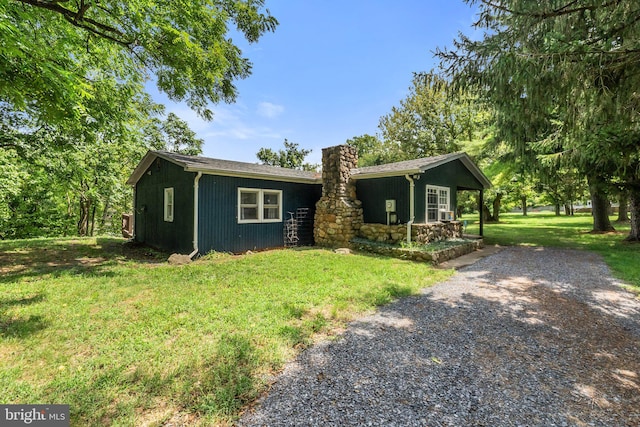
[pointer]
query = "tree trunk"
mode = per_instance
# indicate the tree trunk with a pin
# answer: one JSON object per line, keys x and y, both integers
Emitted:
{"x": 523, "y": 199}
{"x": 557, "y": 209}
{"x": 634, "y": 208}
{"x": 486, "y": 213}
{"x": 69, "y": 218}
{"x": 623, "y": 207}
{"x": 93, "y": 220}
{"x": 599, "y": 205}
{"x": 567, "y": 209}
{"x": 83, "y": 222}
{"x": 496, "y": 207}
{"x": 105, "y": 214}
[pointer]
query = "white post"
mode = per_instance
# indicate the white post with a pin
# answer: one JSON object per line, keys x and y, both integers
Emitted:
{"x": 412, "y": 214}
{"x": 195, "y": 215}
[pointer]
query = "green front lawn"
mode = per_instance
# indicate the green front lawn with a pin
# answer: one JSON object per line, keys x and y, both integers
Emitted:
{"x": 126, "y": 339}
{"x": 546, "y": 229}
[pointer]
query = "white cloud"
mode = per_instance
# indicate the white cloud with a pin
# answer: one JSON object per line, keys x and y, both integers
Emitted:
{"x": 270, "y": 110}
{"x": 230, "y": 122}
{"x": 235, "y": 133}
{"x": 195, "y": 122}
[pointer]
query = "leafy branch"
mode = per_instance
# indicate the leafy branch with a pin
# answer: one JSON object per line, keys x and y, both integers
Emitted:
{"x": 564, "y": 10}
{"x": 78, "y": 19}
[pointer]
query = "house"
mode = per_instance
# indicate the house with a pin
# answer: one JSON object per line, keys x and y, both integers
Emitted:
{"x": 192, "y": 205}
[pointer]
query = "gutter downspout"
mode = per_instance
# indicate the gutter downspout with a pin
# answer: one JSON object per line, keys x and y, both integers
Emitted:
{"x": 195, "y": 215}
{"x": 133, "y": 217}
{"x": 412, "y": 208}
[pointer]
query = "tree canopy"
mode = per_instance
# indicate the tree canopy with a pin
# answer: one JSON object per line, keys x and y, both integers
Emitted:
{"x": 54, "y": 53}
{"x": 75, "y": 115}
{"x": 430, "y": 120}
{"x": 291, "y": 157}
{"x": 561, "y": 77}
{"x": 172, "y": 134}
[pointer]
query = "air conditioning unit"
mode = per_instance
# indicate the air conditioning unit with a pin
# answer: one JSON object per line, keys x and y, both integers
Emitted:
{"x": 446, "y": 216}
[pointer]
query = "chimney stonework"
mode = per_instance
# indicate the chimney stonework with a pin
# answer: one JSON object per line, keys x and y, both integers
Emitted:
{"x": 338, "y": 214}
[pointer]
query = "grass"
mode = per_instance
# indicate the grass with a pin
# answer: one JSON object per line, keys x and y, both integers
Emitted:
{"x": 126, "y": 339}
{"x": 546, "y": 229}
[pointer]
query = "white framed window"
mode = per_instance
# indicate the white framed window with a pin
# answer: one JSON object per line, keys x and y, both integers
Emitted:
{"x": 169, "y": 204}
{"x": 248, "y": 206}
{"x": 437, "y": 203}
{"x": 259, "y": 205}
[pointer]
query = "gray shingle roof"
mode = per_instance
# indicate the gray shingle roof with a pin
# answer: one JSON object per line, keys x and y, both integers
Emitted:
{"x": 408, "y": 166}
{"x": 253, "y": 170}
{"x": 225, "y": 167}
{"x": 416, "y": 166}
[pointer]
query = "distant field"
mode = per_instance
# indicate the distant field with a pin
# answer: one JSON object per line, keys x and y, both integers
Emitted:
{"x": 546, "y": 229}
{"x": 126, "y": 339}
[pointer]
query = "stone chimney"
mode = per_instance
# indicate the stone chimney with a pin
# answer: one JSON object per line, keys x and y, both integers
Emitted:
{"x": 338, "y": 213}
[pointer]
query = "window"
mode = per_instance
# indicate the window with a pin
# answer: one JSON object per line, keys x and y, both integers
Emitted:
{"x": 257, "y": 205}
{"x": 249, "y": 205}
{"x": 437, "y": 203}
{"x": 168, "y": 204}
{"x": 271, "y": 205}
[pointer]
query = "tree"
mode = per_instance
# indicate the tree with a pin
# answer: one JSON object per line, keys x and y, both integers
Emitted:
{"x": 431, "y": 120}
{"x": 69, "y": 176}
{"x": 173, "y": 134}
{"x": 561, "y": 76}
{"x": 291, "y": 157}
{"x": 54, "y": 52}
{"x": 561, "y": 186}
{"x": 623, "y": 207}
{"x": 371, "y": 150}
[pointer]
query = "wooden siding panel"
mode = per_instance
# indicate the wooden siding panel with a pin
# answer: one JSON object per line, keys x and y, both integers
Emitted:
{"x": 373, "y": 193}
{"x": 218, "y": 205}
{"x": 453, "y": 174}
{"x": 150, "y": 226}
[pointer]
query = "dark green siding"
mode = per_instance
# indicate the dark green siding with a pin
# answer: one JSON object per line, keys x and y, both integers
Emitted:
{"x": 453, "y": 174}
{"x": 374, "y": 192}
{"x": 218, "y": 206}
{"x": 150, "y": 226}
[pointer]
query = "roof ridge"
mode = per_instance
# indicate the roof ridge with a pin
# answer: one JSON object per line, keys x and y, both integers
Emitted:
{"x": 412, "y": 161}
{"x": 253, "y": 164}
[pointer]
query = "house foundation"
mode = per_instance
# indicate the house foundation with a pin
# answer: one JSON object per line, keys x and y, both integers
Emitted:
{"x": 420, "y": 233}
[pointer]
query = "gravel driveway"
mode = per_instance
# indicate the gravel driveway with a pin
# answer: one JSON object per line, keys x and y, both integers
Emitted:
{"x": 525, "y": 337}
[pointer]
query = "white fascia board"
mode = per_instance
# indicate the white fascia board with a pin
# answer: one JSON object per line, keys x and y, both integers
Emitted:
{"x": 386, "y": 174}
{"x": 237, "y": 174}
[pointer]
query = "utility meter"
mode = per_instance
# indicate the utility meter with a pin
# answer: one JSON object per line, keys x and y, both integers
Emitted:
{"x": 390, "y": 206}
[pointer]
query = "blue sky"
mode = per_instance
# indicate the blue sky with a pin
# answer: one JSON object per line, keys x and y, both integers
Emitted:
{"x": 328, "y": 73}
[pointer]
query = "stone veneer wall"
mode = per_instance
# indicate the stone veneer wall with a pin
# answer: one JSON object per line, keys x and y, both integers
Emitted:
{"x": 436, "y": 231}
{"x": 419, "y": 255}
{"x": 338, "y": 214}
{"x": 420, "y": 233}
{"x": 383, "y": 233}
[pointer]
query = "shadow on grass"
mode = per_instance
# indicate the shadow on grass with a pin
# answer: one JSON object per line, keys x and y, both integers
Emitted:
{"x": 20, "y": 327}
{"x": 33, "y": 258}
